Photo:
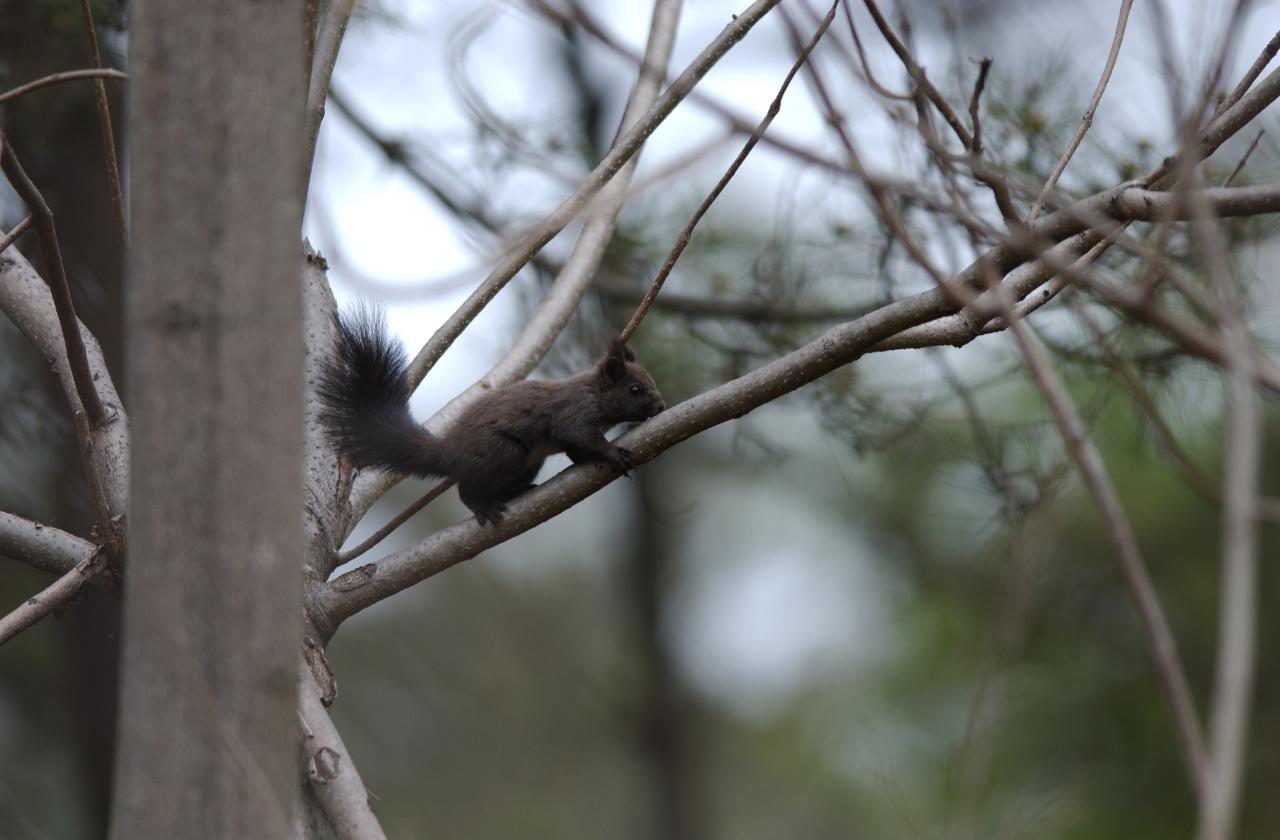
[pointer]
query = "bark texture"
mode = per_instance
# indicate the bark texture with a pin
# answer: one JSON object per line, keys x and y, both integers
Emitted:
{"x": 214, "y": 361}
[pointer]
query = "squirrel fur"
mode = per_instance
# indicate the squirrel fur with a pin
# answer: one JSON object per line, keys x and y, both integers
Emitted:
{"x": 499, "y": 443}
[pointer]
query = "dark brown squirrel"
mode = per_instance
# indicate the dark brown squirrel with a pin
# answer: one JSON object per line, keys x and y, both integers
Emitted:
{"x": 499, "y": 443}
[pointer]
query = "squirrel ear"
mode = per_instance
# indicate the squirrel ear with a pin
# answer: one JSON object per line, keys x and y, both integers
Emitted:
{"x": 619, "y": 347}
{"x": 614, "y": 363}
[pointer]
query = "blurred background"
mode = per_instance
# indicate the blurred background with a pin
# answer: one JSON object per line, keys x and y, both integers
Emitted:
{"x": 882, "y": 607}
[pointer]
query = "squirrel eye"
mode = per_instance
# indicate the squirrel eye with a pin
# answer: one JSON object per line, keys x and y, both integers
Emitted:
{"x": 634, "y": 389}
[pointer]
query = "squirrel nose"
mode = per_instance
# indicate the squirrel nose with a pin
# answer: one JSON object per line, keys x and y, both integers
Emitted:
{"x": 660, "y": 407}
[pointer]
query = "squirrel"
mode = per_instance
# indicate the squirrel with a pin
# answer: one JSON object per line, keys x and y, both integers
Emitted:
{"x": 499, "y": 443}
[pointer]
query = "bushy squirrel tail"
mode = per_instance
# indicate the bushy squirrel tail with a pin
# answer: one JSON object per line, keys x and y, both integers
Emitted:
{"x": 364, "y": 400}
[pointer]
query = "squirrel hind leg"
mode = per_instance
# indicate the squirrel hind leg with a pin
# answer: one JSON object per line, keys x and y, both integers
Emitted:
{"x": 490, "y": 504}
{"x": 488, "y": 512}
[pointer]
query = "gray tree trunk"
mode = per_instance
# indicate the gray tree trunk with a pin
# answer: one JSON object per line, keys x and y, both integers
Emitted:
{"x": 208, "y": 741}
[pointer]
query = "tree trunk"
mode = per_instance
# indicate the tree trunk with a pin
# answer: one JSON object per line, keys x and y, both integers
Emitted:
{"x": 209, "y": 733}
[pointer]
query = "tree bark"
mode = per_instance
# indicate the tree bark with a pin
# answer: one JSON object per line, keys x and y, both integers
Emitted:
{"x": 208, "y": 739}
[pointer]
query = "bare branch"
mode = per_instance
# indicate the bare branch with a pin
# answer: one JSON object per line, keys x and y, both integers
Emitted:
{"x": 26, "y": 299}
{"x": 918, "y": 75}
{"x": 18, "y": 229}
{"x": 42, "y": 547}
{"x": 1254, "y": 71}
{"x": 1222, "y": 127}
{"x": 394, "y": 523}
{"x": 58, "y": 78}
{"x": 325, "y": 57}
{"x": 836, "y": 347}
{"x": 104, "y": 121}
{"x": 54, "y": 597}
{"x": 747, "y": 311}
{"x": 1149, "y": 205}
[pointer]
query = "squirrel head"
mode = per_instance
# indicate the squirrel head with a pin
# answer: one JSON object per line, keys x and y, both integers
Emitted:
{"x": 627, "y": 391}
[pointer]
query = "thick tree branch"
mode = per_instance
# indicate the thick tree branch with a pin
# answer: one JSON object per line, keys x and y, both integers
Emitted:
{"x": 41, "y": 546}
{"x": 26, "y": 300}
{"x": 835, "y": 348}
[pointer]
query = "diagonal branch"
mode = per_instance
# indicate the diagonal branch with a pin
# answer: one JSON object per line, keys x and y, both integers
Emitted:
{"x": 18, "y": 229}
{"x": 333, "y": 776}
{"x": 321, "y": 71}
{"x": 54, "y": 597}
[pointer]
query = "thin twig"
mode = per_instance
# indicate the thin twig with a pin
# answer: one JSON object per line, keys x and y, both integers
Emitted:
{"x": 108, "y": 137}
{"x": 919, "y": 77}
{"x": 1244, "y": 158}
{"x": 980, "y": 84}
{"x": 683, "y": 239}
{"x": 866, "y": 66}
{"x": 326, "y": 56}
{"x": 395, "y": 522}
{"x": 18, "y": 229}
{"x": 1259, "y": 64}
{"x": 58, "y": 78}
{"x": 1238, "y": 599}
{"x": 54, "y": 597}
{"x": 1087, "y": 120}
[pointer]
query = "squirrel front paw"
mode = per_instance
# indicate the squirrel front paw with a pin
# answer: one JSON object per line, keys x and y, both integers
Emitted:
{"x": 621, "y": 459}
